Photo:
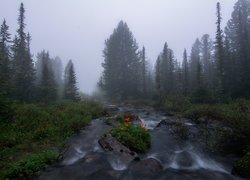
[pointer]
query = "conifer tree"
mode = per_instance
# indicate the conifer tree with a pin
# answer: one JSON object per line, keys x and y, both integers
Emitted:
{"x": 47, "y": 88}
{"x": 5, "y": 74}
{"x": 70, "y": 88}
{"x": 185, "y": 73}
{"x": 144, "y": 90}
{"x": 238, "y": 36}
{"x": 122, "y": 74}
{"x": 23, "y": 70}
{"x": 206, "y": 61}
{"x": 219, "y": 49}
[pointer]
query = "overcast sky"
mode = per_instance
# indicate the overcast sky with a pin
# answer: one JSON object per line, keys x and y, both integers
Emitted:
{"x": 77, "y": 29}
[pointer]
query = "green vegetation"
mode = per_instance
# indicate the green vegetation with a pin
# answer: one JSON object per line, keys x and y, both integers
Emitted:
{"x": 31, "y": 165}
{"x": 242, "y": 167}
{"x": 176, "y": 104}
{"x": 36, "y": 128}
{"x": 234, "y": 117}
{"x": 134, "y": 137}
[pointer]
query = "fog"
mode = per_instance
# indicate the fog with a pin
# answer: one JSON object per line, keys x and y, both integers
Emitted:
{"x": 77, "y": 29}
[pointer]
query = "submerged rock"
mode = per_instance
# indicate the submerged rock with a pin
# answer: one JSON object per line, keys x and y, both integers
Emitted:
{"x": 144, "y": 168}
{"x": 184, "y": 159}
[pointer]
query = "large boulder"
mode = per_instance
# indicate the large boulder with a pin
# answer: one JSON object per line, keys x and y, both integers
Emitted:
{"x": 118, "y": 150}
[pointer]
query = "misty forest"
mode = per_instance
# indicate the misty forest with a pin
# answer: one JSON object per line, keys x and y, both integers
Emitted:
{"x": 185, "y": 118}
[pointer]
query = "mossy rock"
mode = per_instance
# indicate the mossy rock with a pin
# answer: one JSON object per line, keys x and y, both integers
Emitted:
{"x": 242, "y": 166}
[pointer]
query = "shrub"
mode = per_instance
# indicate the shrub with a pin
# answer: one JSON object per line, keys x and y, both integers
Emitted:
{"x": 176, "y": 103}
{"x": 242, "y": 166}
{"x": 134, "y": 137}
{"x": 29, "y": 166}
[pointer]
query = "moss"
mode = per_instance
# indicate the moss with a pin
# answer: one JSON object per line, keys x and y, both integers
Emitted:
{"x": 242, "y": 166}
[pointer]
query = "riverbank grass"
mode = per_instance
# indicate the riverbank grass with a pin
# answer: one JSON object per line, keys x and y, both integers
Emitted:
{"x": 33, "y": 136}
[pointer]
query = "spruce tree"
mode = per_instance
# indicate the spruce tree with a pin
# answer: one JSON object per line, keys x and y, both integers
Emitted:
{"x": 238, "y": 37}
{"x": 122, "y": 74}
{"x": 206, "y": 61}
{"x": 5, "y": 73}
{"x": 144, "y": 90}
{"x": 23, "y": 70}
{"x": 158, "y": 82}
{"x": 185, "y": 73}
{"x": 219, "y": 52}
{"x": 47, "y": 88}
{"x": 195, "y": 67}
{"x": 70, "y": 88}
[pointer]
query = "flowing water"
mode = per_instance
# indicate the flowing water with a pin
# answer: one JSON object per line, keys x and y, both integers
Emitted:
{"x": 180, "y": 158}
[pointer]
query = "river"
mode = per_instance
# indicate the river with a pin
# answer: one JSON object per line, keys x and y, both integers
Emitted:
{"x": 181, "y": 158}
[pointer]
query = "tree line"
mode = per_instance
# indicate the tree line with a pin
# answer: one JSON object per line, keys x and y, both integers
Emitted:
{"x": 22, "y": 80}
{"x": 214, "y": 70}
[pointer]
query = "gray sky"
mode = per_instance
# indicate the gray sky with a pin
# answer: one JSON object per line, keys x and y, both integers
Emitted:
{"x": 77, "y": 29}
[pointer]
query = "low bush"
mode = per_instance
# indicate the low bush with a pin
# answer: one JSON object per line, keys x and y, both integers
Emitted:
{"x": 130, "y": 131}
{"x": 28, "y": 167}
{"x": 134, "y": 137}
{"x": 235, "y": 115}
{"x": 176, "y": 104}
{"x": 242, "y": 166}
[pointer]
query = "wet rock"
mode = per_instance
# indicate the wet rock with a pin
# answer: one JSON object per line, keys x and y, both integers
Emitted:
{"x": 124, "y": 154}
{"x": 146, "y": 167}
{"x": 242, "y": 166}
{"x": 184, "y": 159}
{"x": 198, "y": 174}
{"x": 166, "y": 122}
{"x": 86, "y": 167}
{"x": 110, "y": 109}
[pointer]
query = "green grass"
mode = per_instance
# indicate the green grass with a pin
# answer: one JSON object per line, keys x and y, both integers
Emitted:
{"x": 33, "y": 130}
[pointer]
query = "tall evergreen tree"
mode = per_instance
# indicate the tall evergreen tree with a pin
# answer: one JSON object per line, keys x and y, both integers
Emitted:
{"x": 158, "y": 82}
{"x": 121, "y": 75}
{"x": 185, "y": 73}
{"x": 238, "y": 36}
{"x": 165, "y": 72}
{"x": 195, "y": 67}
{"x": 47, "y": 88}
{"x": 5, "y": 74}
{"x": 206, "y": 60}
{"x": 70, "y": 88}
{"x": 144, "y": 90}
{"x": 219, "y": 49}
{"x": 58, "y": 69}
{"x": 23, "y": 70}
